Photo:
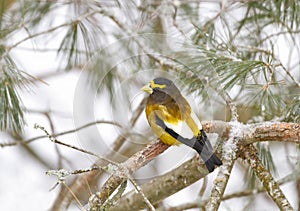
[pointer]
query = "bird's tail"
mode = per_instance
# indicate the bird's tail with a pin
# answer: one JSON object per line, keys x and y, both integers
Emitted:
{"x": 212, "y": 162}
{"x": 205, "y": 150}
{"x": 210, "y": 159}
{"x": 200, "y": 143}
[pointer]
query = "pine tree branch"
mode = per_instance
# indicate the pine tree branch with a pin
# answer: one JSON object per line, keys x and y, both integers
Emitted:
{"x": 130, "y": 166}
{"x": 78, "y": 186}
{"x": 28, "y": 141}
{"x": 230, "y": 149}
{"x": 272, "y": 131}
{"x": 260, "y": 132}
{"x": 164, "y": 186}
{"x": 47, "y": 31}
{"x": 272, "y": 187}
{"x": 251, "y": 133}
{"x": 295, "y": 175}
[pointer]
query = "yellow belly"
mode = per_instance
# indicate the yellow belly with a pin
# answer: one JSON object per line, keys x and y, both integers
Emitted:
{"x": 170, "y": 115}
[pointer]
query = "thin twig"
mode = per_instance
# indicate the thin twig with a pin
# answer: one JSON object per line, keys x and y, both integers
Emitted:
{"x": 135, "y": 115}
{"x": 139, "y": 190}
{"x": 64, "y": 198}
{"x": 128, "y": 167}
{"x": 73, "y": 194}
{"x": 203, "y": 188}
{"x": 60, "y": 134}
{"x": 53, "y": 139}
{"x": 268, "y": 37}
{"x": 60, "y": 156}
{"x": 69, "y": 23}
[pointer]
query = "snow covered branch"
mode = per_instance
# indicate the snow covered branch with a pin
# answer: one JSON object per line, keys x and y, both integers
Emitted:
{"x": 271, "y": 186}
{"x": 266, "y": 131}
{"x": 229, "y": 156}
{"x": 191, "y": 171}
{"x": 234, "y": 136}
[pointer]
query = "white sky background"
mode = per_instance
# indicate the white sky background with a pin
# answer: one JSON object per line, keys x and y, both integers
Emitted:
{"x": 23, "y": 183}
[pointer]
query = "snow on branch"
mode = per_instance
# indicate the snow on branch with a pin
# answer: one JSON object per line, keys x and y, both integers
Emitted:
{"x": 191, "y": 171}
{"x": 266, "y": 131}
{"x": 229, "y": 156}
{"x": 234, "y": 136}
{"x": 270, "y": 185}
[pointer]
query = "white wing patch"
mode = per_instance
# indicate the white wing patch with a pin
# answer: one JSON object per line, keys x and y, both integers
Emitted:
{"x": 181, "y": 128}
{"x": 196, "y": 120}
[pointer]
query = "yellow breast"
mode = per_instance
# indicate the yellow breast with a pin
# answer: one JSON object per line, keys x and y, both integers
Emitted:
{"x": 167, "y": 115}
{"x": 180, "y": 122}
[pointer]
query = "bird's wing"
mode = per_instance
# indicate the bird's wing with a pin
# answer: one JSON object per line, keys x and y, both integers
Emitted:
{"x": 200, "y": 144}
{"x": 179, "y": 126}
{"x": 182, "y": 128}
{"x": 187, "y": 141}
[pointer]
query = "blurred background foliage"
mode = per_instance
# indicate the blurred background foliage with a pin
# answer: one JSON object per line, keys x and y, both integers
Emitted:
{"x": 248, "y": 50}
{"x": 236, "y": 47}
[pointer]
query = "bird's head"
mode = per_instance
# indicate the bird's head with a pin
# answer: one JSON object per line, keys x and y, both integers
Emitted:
{"x": 160, "y": 85}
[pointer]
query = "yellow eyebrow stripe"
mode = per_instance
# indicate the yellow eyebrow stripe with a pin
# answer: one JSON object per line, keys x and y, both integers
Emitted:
{"x": 154, "y": 85}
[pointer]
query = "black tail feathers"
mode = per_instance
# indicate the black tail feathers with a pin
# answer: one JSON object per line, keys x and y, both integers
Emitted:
{"x": 212, "y": 162}
{"x": 200, "y": 143}
{"x": 205, "y": 150}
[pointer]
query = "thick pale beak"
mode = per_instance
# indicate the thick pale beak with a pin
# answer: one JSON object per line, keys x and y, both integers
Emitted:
{"x": 147, "y": 89}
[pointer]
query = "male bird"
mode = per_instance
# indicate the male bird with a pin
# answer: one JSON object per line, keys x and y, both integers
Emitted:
{"x": 173, "y": 121}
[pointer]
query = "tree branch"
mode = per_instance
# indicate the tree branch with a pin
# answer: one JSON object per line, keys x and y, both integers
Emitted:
{"x": 28, "y": 141}
{"x": 295, "y": 175}
{"x": 272, "y": 187}
{"x": 278, "y": 131}
{"x": 191, "y": 171}
{"x": 130, "y": 166}
{"x": 229, "y": 156}
{"x": 252, "y": 133}
{"x": 163, "y": 186}
{"x": 78, "y": 186}
{"x": 273, "y": 131}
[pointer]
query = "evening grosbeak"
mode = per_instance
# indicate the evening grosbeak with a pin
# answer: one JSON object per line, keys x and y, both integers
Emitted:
{"x": 173, "y": 121}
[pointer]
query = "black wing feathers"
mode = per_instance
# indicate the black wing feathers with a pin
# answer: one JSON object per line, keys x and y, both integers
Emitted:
{"x": 200, "y": 143}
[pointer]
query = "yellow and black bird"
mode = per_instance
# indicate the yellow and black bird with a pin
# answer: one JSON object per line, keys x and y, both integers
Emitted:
{"x": 173, "y": 121}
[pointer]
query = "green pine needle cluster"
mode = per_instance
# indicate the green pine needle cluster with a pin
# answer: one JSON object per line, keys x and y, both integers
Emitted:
{"x": 222, "y": 53}
{"x": 11, "y": 111}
